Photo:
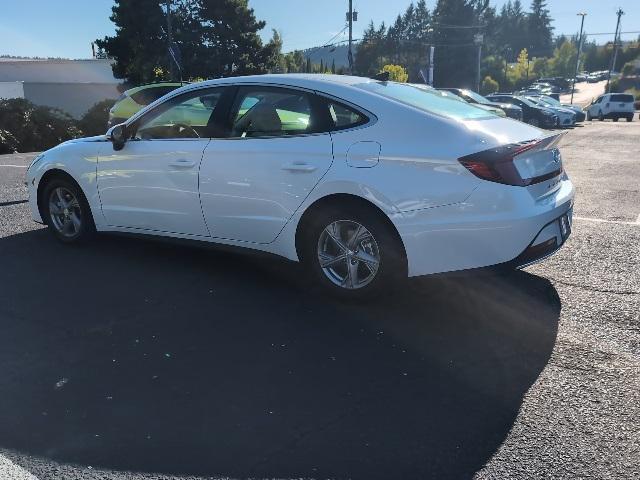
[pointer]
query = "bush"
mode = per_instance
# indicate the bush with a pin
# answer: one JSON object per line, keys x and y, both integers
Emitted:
{"x": 94, "y": 122}
{"x": 629, "y": 69}
{"x": 614, "y": 85}
{"x": 26, "y": 127}
{"x": 8, "y": 143}
{"x": 397, "y": 73}
{"x": 489, "y": 85}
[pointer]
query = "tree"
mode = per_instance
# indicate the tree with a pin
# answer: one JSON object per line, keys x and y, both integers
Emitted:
{"x": 216, "y": 38}
{"x": 563, "y": 62}
{"x": 139, "y": 44}
{"x": 489, "y": 85}
{"x": 539, "y": 29}
{"x": 276, "y": 61}
{"x": 397, "y": 73}
{"x": 455, "y": 61}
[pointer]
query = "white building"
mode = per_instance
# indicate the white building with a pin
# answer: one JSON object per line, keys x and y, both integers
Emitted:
{"x": 70, "y": 85}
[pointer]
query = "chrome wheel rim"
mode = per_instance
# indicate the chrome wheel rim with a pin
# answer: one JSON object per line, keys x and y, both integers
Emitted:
{"x": 348, "y": 254}
{"x": 65, "y": 213}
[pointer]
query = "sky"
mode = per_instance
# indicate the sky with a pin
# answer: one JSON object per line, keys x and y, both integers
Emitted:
{"x": 66, "y": 28}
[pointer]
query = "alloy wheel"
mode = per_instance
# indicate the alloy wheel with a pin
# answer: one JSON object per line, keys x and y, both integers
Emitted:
{"x": 65, "y": 212}
{"x": 348, "y": 254}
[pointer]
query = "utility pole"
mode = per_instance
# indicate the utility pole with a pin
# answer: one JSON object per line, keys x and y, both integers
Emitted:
{"x": 477, "y": 39}
{"x": 573, "y": 86}
{"x": 169, "y": 39}
{"x": 350, "y": 19}
{"x": 619, "y": 13}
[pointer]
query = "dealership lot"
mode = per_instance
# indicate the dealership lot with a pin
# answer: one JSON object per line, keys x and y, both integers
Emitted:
{"x": 139, "y": 355}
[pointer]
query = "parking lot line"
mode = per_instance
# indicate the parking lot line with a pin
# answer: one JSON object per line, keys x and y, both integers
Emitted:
{"x": 602, "y": 220}
{"x": 14, "y": 166}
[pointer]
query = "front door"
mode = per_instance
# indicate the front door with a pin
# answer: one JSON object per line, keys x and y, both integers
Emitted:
{"x": 152, "y": 183}
{"x": 252, "y": 182}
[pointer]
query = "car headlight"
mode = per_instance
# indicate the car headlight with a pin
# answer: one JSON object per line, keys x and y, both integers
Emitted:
{"x": 548, "y": 114}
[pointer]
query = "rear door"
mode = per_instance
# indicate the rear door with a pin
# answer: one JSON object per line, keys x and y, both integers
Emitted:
{"x": 253, "y": 181}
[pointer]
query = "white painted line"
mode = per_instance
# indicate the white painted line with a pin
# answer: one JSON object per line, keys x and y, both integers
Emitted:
{"x": 601, "y": 220}
{"x": 638, "y": 219}
{"x": 11, "y": 471}
{"x": 15, "y": 166}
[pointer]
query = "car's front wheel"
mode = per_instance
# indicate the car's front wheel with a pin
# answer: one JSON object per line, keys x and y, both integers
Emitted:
{"x": 352, "y": 252}
{"x": 66, "y": 211}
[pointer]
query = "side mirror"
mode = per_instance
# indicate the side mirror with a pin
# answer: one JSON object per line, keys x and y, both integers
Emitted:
{"x": 118, "y": 136}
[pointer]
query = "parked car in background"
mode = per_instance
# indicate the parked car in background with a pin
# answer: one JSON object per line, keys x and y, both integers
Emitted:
{"x": 134, "y": 99}
{"x": 488, "y": 108}
{"x": 566, "y": 116}
{"x": 580, "y": 115}
{"x": 356, "y": 178}
{"x": 611, "y": 105}
{"x": 510, "y": 110}
{"x": 532, "y": 113}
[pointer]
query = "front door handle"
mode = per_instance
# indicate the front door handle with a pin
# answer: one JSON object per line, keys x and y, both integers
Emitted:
{"x": 299, "y": 167}
{"x": 182, "y": 163}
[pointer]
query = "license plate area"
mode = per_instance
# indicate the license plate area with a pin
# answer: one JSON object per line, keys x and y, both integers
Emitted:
{"x": 564, "y": 222}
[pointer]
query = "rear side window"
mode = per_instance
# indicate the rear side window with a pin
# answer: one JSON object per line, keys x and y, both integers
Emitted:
{"x": 344, "y": 117}
{"x": 621, "y": 97}
{"x": 150, "y": 95}
{"x": 426, "y": 100}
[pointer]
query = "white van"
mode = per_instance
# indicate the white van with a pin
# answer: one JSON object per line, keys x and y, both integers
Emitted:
{"x": 611, "y": 105}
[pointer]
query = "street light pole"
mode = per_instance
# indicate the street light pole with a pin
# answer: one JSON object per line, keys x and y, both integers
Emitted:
{"x": 573, "y": 86}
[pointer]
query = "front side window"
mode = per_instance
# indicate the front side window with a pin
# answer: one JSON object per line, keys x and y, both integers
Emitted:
{"x": 188, "y": 116}
{"x": 271, "y": 111}
{"x": 426, "y": 100}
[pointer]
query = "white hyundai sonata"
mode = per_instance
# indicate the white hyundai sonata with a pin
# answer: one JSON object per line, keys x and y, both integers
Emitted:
{"x": 363, "y": 181}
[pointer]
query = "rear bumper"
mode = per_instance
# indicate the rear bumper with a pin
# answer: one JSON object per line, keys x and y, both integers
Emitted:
{"x": 497, "y": 224}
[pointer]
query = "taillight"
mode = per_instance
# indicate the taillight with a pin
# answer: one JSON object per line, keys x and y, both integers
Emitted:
{"x": 496, "y": 164}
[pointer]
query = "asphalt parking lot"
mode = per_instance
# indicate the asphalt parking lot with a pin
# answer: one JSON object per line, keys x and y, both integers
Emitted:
{"x": 132, "y": 355}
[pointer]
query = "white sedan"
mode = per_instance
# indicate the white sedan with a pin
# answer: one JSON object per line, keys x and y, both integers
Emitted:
{"x": 363, "y": 181}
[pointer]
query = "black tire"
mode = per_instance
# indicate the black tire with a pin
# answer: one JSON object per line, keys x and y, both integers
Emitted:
{"x": 77, "y": 209}
{"x": 601, "y": 117}
{"x": 534, "y": 122}
{"x": 615, "y": 119}
{"x": 588, "y": 117}
{"x": 391, "y": 270}
{"x": 630, "y": 118}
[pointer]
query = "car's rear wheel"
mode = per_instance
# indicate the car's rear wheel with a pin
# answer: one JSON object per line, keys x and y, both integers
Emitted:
{"x": 601, "y": 116}
{"x": 66, "y": 211}
{"x": 352, "y": 253}
{"x": 630, "y": 118}
{"x": 615, "y": 119}
{"x": 534, "y": 122}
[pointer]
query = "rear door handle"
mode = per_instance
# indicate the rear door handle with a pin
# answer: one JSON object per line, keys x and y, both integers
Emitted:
{"x": 182, "y": 163}
{"x": 299, "y": 167}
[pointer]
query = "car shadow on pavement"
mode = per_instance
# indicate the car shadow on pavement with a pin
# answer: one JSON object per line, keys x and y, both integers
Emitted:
{"x": 139, "y": 355}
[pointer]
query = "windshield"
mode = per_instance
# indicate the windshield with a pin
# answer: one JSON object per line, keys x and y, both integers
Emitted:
{"x": 526, "y": 101}
{"x": 426, "y": 100}
{"x": 475, "y": 96}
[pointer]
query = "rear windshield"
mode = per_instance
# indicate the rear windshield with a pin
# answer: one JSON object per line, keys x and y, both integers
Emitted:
{"x": 620, "y": 97}
{"x": 426, "y": 100}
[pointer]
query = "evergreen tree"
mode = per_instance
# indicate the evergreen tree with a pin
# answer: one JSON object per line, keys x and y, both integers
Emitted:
{"x": 539, "y": 30}
{"x": 216, "y": 38}
{"x": 140, "y": 44}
